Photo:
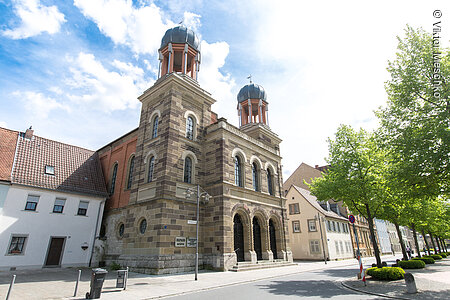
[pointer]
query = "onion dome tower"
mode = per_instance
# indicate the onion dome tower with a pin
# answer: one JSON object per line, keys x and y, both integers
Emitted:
{"x": 179, "y": 52}
{"x": 252, "y": 105}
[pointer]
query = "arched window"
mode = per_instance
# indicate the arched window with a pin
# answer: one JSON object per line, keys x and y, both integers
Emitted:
{"x": 151, "y": 167}
{"x": 113, "y": 179}
{"x": 155, "y": 127}
{"x": 255, "y": 176}
{"x": 190, "y": 128}
{"x": 237, "y": 171}
{"x": 269, "y": 182}
{"x": 130, "y": 172}
{"x": 188, "y": 170}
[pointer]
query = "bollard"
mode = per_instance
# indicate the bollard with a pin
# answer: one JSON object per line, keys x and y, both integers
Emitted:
{"x": 126, "y": 279}
{"x": 10, "y": 286}
{"x": 410, "y": 283}
{"x": 76, "y": 285}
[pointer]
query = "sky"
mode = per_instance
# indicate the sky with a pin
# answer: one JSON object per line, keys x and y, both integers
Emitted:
{"x": 74, "y": 69}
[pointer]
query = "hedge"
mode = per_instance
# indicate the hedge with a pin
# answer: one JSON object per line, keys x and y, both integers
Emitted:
{"x": 411, "y": 264}
{"x": 386, "y": 273}
{"x": 427, "y": 260}
{"x": 436, "y": 256}
{"x": 444, "y": 255}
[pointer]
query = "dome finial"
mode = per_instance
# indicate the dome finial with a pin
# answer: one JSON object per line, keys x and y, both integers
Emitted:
{"x": 250, "y": 77}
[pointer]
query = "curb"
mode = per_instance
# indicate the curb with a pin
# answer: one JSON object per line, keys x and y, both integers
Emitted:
{"x": 371, "y": 293}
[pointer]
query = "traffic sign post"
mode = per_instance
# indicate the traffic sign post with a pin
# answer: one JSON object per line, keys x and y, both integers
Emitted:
{"x": 351, "y": 219}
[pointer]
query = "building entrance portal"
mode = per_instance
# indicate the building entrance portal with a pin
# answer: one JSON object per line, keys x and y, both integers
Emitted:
{"x": 273, "y": 239}
{"x": 238, "y": 238}
{"x": 257, "y": 239}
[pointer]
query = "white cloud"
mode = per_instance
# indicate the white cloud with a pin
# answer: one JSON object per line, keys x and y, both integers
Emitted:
{"x": 108, "y": 90}
{"x": 35, "y": 19}
{"x": 140, "y": 28}
{"x": 3, "y": 124}
{"x": 38, "y": 105}
{"x": 212, "y": 80}
{"x": 192, "y": 21}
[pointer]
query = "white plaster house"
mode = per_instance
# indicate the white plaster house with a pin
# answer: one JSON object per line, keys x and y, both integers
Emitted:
{"x": 307, "y": 236}
{"x": 51, "y": 203}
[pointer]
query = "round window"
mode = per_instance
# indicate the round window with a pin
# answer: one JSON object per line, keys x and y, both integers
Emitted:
{"x": 121, "y": 230}
{"x": 143, "y": 226}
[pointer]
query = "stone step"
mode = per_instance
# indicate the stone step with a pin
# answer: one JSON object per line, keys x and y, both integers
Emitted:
{"x": 246, "y": 266}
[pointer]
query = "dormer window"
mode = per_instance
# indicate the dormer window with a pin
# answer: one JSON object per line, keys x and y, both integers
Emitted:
{"x": 49, "y": 170}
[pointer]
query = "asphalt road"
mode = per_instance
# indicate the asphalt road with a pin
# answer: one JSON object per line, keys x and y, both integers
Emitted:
{"x": 312, "y": 285}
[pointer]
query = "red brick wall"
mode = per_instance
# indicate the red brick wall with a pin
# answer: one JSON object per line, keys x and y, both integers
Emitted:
{"x": 119, "y": 152}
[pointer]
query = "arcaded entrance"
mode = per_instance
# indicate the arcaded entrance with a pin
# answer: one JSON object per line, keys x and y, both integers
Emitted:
{"x": 257, "y": 238}
{"x": 273, "y": 239}
{"x": 238, "y": 238}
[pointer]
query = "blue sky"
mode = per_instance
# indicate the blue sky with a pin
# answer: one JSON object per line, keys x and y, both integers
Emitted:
{"x": 73, "y": 69}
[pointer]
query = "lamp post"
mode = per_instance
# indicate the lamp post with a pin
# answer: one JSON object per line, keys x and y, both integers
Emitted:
{"x": 205, "y": 196}
{"x": 321, "y": 237}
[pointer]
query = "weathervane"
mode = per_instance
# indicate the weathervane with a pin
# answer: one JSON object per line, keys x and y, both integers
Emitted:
{"x": 250, "y": 77}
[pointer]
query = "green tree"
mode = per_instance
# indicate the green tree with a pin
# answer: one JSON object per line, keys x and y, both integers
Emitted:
{"x": 355, "y": 176}
{"x": 415, "y": 122}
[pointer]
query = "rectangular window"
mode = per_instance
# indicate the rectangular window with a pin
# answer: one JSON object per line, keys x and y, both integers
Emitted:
{"x": 314, "y": 246}
{"x": 336, "y": 244}
{"x": 59, "y": 205}
{"x": 341, "y": 246}
{"x": 32, "y": 202}
{"x": 17, "y": 245}
{"x": 296, "y": 226}
{"x": 334, "y": 226}
{"x": 82, "y": 208}
{"x": 338, "y": 226}
{"x": 328, "y": 225}
{"x": 294, "y": 209}
{"x": 312, "y": 225}
{"x": 50, "y": 170}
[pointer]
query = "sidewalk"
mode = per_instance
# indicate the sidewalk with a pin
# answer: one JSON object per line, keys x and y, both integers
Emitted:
{"x": 433, "y": 282}
{"x": 60, "y": 283}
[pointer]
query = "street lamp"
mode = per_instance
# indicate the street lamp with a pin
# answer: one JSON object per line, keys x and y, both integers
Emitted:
{"x": 206, "y": 197}
{"x": 321, "y": 236}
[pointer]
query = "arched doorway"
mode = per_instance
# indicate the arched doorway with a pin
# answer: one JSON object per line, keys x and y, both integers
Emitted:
{"x": 257, "y": 238}
{"x": 273, "y": 239}
{"x": 238, "y": 238}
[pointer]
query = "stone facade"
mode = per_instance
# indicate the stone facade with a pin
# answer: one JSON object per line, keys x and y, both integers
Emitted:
{"x": 160, "y": 200}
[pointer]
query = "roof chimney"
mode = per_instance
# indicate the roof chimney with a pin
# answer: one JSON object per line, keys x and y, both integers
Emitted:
{"x": 317, "y": 167}
{"x": 29, "y": 133}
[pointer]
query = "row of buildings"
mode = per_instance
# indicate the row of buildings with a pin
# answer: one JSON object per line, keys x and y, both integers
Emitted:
{"x": 320, "y": 230}
{"x": 134, "y": 201}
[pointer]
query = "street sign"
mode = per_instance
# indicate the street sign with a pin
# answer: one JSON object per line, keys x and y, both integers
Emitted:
{"x": 351, "y": 219}
{"x": 191, "y": 242}
{"x": 180, "y": 241}
{"x": 192, "y": 222}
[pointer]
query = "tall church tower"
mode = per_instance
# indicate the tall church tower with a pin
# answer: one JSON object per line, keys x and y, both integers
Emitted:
{"x": 182, "y": 147}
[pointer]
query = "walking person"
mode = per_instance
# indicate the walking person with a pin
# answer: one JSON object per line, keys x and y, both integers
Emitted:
{"x": 408, "y": 251}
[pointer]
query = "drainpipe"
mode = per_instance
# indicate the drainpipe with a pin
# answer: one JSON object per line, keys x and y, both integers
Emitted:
{"x": 281, "y": 201}
{"x": 96, "y": 228}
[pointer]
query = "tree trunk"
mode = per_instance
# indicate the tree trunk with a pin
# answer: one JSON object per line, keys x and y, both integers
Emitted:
{"x": 372, "y": 236}
{"x": 400, "y": 237}
{"x": 443, "y": 245}
{"x": 413, "y": 227}
{"x": 432, "y": 242}
{"x": 426, "y": 242}
{"x": 437, "y": 243}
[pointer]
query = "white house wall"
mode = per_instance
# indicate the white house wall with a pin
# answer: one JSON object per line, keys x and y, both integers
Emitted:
{"x": 342, "y": 238}
{"x": 42, "y": 224}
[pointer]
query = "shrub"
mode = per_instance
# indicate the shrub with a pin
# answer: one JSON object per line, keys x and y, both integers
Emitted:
{"x": 411, "y": 264}
{"x": 427, "y": 260}
{"x": 386, "y": 273}
{"x": 436, "y": 256}
{"x": 444, "y": 255}
{"x": 114, "y": 266}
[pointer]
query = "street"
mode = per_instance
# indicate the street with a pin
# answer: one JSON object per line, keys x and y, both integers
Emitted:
{"x": 312, "y": 285}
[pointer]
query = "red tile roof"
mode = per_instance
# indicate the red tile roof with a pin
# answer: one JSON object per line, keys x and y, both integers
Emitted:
{"x": 76, "y": 169}
{"x": 8, "y": 140}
